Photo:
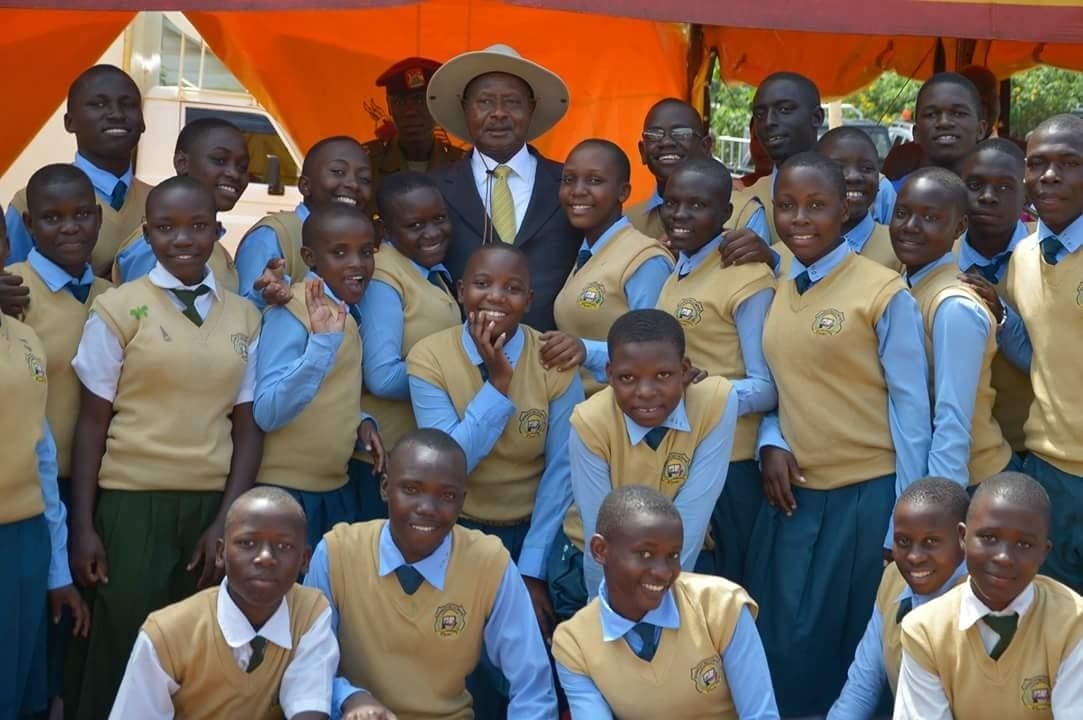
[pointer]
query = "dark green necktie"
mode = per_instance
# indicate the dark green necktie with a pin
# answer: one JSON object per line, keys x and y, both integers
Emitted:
{"x": 802, "y": 282}
{"x": 905, "y": 606}
{"x": 440, "y": 279}
{"x": 409, "y": 578}
{"x": 116, "y": 200}
{"x": 1004, "y": 626}
{"x": 79, "y": 292}
{"x": 648, "y": 635}
{"x": 655, "y": 437}
{"x": 259, "y": 646}
{"x": 581, "y": 259}
{"x": 188, "y": 297}
{"x": 1050, "y": 247}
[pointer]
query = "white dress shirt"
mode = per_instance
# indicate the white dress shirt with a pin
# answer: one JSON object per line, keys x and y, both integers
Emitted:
{"x": 99, "y": 359}
{"x": 921, "y": 696}
{"x": 146, "y": 691}
{"x": 524, "y": 167}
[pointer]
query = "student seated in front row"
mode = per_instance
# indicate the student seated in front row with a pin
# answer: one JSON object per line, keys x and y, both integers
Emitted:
{"x": 656, "y": 643}
{"x": 1008, "y": 643}
{"x": 257, "y": 646}
{"x": 416, "y": 599}
{"x": 928, "y": 563}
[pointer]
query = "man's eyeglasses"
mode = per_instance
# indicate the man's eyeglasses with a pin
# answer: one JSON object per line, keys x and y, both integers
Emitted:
{"x": 679, "y": 134}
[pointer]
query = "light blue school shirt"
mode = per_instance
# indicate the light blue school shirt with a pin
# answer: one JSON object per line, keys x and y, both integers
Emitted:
{"x": 383, "y": 365}
{"x": 55, "y": 512}
{"x": 695, "y": 501}
{"x": 901, "y": 349}
{"x": 641, "y": 291}
{"x": 969, "y": 257}
{"x": 653, "y": 202}
{"x": 744, "y": 662}
{"x": 55, "y": 277}
{"x": 482, "y": 425}
{"x": 859, "y": 236}
{"x": 868, "y": 676}
{"x": 103, "y": 181}
{"x": 137, "y": 260}
{"x": 1013, "y": 337}
{"x": 512, "y": 641}
{"x": 756, "y": 391}
{"x": 257, "y": 249}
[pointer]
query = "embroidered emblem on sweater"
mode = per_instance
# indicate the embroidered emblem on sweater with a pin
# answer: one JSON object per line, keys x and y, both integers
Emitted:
{"x": 140, "y": 313}
{"x": 828, "y": 322}
{"x": 240, "y": 344}
{"x": 592, "y": 296}
{"x": 675, "y": 471}
{"x": 707, "y": 675}
{"x": 689, "y": 311}
{"x": 450, "y": 620}
{"x": 532, "y": 423}
{"x": 1037, "y": 693}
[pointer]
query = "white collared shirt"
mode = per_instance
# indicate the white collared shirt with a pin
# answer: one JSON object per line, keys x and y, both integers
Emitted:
{"x": 524, "y": 166}
{"x": 147, "y": 690}
{"x": 99, "y": 359}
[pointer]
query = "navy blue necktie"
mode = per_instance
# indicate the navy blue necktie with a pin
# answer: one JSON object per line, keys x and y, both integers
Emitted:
{"x": 80, "y": 292}
{"x": 647, "y": 634}
{"x": 409, "y": 578}
{"x": 1050, "y": 247}
{"x": 484, "y": 372}
{"x": 440, "y": 279}
{"x": 802, "y": 282}
{"x": 655, "y": 436}
{"x": 120, "y": 191}
{"x": 355, "y": 313}
{"x": 581, "y": 259}
{"x": 905, "y": 606}
{"x": 991, "y": 271}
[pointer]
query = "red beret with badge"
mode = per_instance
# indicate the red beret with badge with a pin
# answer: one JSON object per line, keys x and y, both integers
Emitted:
{"x": 408, "y": 76}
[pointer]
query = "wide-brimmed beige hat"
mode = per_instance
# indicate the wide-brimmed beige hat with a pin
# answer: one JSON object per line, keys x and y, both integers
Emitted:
{"x": 449, "y": 82}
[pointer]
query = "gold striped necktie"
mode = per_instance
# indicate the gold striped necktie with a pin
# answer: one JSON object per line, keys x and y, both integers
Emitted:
{"x": 503, "y": 205}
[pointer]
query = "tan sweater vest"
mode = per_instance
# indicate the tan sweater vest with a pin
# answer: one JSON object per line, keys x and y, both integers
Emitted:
{"x": 413, "y": 652}
{"x": 646, "y": 223}
{"x": 225, "y": 272}
{"x": 502, "y": 487}
{"x": 58, "y": 319}
{"x": 705, "y": 302}
{"x": 747, "y": 200}
{"x": 117, "y": 225}
{"x": 1014, "y": 395}
{"x": 685, "y": 679}
{"x": 832, "y": 396}
{"x": 1050, "y": 301}
{"x": 878, "y": 249}
{"x": 287, "y": 227}
{"x": 171, "y": 426}
{"x": 599, "y": 422}
{"x": 593, "y": 298}
{"x": 311, "y": 452}
{"x": 26, "y": 387}
{"x": 1018, "y": 685}
{"x": 426, "y": 309}
{"x": 194, "y": 653}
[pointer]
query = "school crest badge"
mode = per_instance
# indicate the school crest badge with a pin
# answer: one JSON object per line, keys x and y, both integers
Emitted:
{"x": 591, "y": 297}
{"x": 828, "y": 322}
{"x": 675, "y": 471}
{"x": 707, "y": 675}
{"x": 34, "y": 364}
{"x": 689, "y": 312}
{"x": 532, "y": 423}
{"x": 1079, "y": 294}
{"x": 140, "y": 313}
{"x": 450, "y": 620}
{"x": 240, "y": 345}
{"x": 1037, "y": 693}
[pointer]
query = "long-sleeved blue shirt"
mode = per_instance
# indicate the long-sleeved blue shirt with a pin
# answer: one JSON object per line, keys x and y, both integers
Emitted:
{"x": 55, "y": 512}
{"x": 258, "y": 248}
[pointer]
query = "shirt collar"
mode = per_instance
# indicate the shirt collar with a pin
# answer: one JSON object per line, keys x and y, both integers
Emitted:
{"x": 919, "y": 600}
{"x": 859, "y": 236}
{"x": 433, "y": 568}
{"x": 238, "y": 631}
{"x": 621, "y": 223}
{"x": 688, "y": 263}
{"x": 969, "y": 257}
{"x": 972, "y": 609}
{"x": 914, "y": 279}
{"x": 519, "y": 163}
{"x": 303, "y": 212}
{"x": 421, "y": 269}
{"x": 55, "y": 277}
{"x": 102, "y": 180}
{"x": 326, "y": 288}
{"x": 655, "y": 201}
{"x": 677, "y": 420}
{"x": 164, "y": 279}
{"x": 821, "y": 268}
{"x": 616, "y": 626}
{"x": 512, "y": 348}
{"x": 1071, "y": 238}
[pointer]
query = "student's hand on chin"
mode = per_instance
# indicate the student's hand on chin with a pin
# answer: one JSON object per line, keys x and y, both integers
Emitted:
{"x": 14, "y": 296}
{"x": 744, "y": 247}
{"x": 271, "y": 284}
{"x": 987, "y": 292}
{"x": 562, "y": 351}
{"x": 543, "y": 607}
{"x": 369, "y": 437}
{"x": 362, "y": 706}
{"x": 203, "y": 557}
{"x": 67, "y": 596}
{"x": 491, "y": 350}
{"x": 693, "y": 375}
{"x": 324, "y": 315}
{"x": 780, "y": 472}
{"x": 87, "y": 558}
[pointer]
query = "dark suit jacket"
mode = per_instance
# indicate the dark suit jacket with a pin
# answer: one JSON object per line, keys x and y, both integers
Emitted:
{"x": 546, "y": 236}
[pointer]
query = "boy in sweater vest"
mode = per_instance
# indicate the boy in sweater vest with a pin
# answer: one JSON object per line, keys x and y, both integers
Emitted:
{"x": 656, "y": 642}
{"x": 417, "y": 599}
{"x": 165, "y": 438}
{"x": 308, "y": 377}
{"x": 722, "y": 312}
{"x": 213, "y": 151}
{"x": 648, "y": 429}
{"x": 484, "y": 384}
{"x": 105, "y": 113}
{"x": 618, "y": 268}
{"x": 993, "y": 175}
{"x": 960, "y": 331}
{"x": 928, "y": 563}
{"x": 410, "y": 297}
{"x": 1008, "y": 643}
{"x": 335, "y": 170}
{"x": 846, "y": 347}
{"x": 257, "y": 645}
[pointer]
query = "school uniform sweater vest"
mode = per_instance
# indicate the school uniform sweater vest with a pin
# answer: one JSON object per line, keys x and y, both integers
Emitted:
{"x": 747, "y": 200}
{"x": 822, "y": 349}
{"x": 685, "y": 680}
{"x": 1014, "y": 394}
{"x": 1021, "y": 682}
{"x": 599, "y": 423}
{"x": 225, "y": 271}
{"x": 311, "y": 452}
{"x": 286, "y": 225}
{"x": 426, "y": 310}
{"x": 646, "y": 223}
{"x": 193, "y": 651}
{"x": 593, "y": 298}
{"x": 171, "y": 426}
{"x": 989, "y": 451}
{"x": 503, "y": 485}
{"x": 413, "y": 652}
{"x": 25, "y": 385}
{"x": 1050, "y": 300}
{"x": 117, "y": 225}
{"x": 705, "y": 303}
{"x": 58, "y": 320}
{"x": 877, "y": 248}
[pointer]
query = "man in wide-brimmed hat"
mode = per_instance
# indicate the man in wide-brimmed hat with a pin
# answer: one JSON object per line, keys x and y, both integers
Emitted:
{"x": 505, "y": 191}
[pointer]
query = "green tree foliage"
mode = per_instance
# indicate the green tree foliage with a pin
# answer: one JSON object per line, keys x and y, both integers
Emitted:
{"x": 1041, "y": 92}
